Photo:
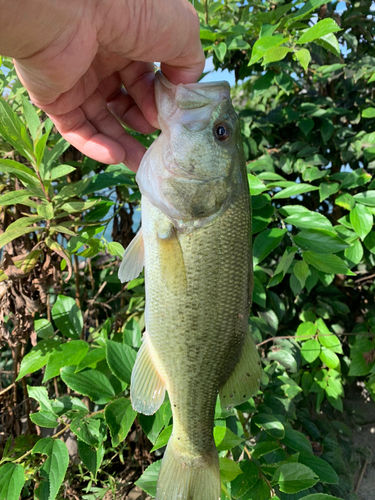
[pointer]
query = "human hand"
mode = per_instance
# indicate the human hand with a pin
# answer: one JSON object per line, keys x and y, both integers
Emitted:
{"x": 74, "y": 59}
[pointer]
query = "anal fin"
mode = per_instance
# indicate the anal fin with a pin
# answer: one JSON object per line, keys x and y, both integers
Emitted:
{"x": 133, "y": 259}
{"x": 244, "y": 381}
{"x": 147, "y": 389}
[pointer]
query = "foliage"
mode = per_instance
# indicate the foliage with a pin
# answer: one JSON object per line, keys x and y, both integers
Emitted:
{"x": 71, "y": 332}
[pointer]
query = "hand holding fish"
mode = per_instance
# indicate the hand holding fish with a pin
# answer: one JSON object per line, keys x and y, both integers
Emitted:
{"x": 75, "y": 57}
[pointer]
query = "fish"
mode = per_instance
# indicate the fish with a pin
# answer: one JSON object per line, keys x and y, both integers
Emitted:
{"x": 195, "y": 247}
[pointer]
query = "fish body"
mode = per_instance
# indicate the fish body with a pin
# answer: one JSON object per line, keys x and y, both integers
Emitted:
{"x": 195, "y": 245}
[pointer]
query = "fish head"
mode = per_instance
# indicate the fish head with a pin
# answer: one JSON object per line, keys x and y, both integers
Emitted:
{"x": 196, "y": 165}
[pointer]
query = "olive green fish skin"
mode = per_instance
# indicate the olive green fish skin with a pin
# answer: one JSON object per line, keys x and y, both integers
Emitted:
{"x": 198, "y": 330}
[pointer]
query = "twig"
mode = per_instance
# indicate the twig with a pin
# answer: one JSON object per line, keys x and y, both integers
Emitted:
{"x": 361, "y": 476}
{"x": 302, "y": 337}
{"x": 365, "y": 278}
{"x": 7, "y": 389}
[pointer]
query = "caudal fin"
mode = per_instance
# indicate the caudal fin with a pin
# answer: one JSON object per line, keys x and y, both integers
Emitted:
{"x": 182, "y": 477}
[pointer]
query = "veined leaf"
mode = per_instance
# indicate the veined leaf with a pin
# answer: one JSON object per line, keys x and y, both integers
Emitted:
{"x": 119, "y": 416}
{"x": 320, "y": 241}
{"x": 294, "y": 191}
{"x": 91, "y": 383}
{"x": 25, "y": 174}
{"x": 14, "y": 131}
{"x": 67, "y": 317}
{"x": 263, "y": 44}
{"x": 321, "y": 28}
{"x": 9, "y": 236}
{"x": 294, "y": 477}
{"x": 12, "y": 479}
{"x": 68, "y": 354}
{"x": 53, "y": 470}
{"x": 121, "y": 359}
{"x": 37, "y": 357}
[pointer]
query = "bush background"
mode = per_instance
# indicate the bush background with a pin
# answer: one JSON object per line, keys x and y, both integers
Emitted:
{"x": 69, "y": 331}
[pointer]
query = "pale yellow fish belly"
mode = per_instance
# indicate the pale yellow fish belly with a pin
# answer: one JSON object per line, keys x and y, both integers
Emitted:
{"x": 197, "y": 302}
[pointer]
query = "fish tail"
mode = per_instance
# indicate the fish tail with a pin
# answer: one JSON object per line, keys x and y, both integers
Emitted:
{"x": 182, "y": 477}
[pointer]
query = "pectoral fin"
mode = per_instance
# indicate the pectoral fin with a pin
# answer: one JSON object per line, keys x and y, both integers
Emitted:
{"x": 133, "y": 260}
{"x": 171, "y": 257}
{"x": 147, "y": 389}
{"x": 244, "y": 381}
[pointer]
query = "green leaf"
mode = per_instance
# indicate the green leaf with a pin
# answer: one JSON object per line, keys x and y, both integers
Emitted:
{"x": 25, "y": 174}
{"x": 297, "y": 441}
{"x": 163, "y": 438}
{"x": 220, "y": 51}
{"x": 37, "y": 357}
{"x": 309, "y": 220}
{"x": 366, "y": 198}
{"x": 43, "y": 328}
{"x": 368, "y": 113}
{"x": 132, "y": 333}
{"x": 354, "y": 254}
{"x": 265, "y": 242}
{"x": 361, "y": 219}
{"x": 13, "y": 198}
{"x": 294, "y": 191}
{"x": 45, "y": 419}
{"x": 321, "y": 28}
{"x": 310, "y": 350}
{"x": 275, "y": 54}
{"x": 14, "y": 131}
{"x": 91, "y": 359}
{"x": 322, "y": 468}
{"x": 225, "y": 439}
{"x": 9, "y": 236}
{"x": 149, "y": 478}
{"x": 306, "y": 125}
{"x": 306, "y": 9}
{"x": 39, "y": 149}
{"x": 119, "y": 416}
{"x": 121, "y": 359}
{"x": 46, "y": 211}
{"x": 67, "y": 354}
{"x": 305, "y": 331}
{"x": 52, "y": 472}
{"x": 329, "y": 42}
{"x": 326, "y": 189}
{"x": 12, "y": 479}
{"x": 294, "y": 477}
{"x": 358, "y": 366}
{"x": 229, "y": 470}
{"x": 283, "y": 266}
{"x": 264, "y": 447}
{"x": 40, "y": 394}
{"x": 320, "y": 241}
{"x": 262, "y": 45}
{"x": 57, "y": 150}
{"x": 304, "y": 58}
{"x": 32, "y": 118}
{"x": 60, "y": 171}
{"x": 90, "y": 430}
{"x": 243, "y": 482}
{"x": 329, "y": 358}
{"x": 67, "y": 317}
{"x": 116, "y": 249}
{"x": 256, "y": 185}
{"x": 91, "y": 383}
{"x": 91, "y": 459}
{"x": 270, "y": 424}
{"x": 78, "y": 206}
{"x": 330, "y": 264}
{"x": 301, "y": 271}
{"x": 327, "y": 338}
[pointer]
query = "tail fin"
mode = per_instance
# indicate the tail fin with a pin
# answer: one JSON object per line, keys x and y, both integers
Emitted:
{"x": 182, "y": 477}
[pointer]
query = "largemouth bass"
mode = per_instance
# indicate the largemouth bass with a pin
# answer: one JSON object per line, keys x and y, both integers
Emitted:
{"x": 195, "y": 246}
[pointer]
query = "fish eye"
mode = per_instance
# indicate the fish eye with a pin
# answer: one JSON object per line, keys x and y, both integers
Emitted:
{"x": 222, "y": 132}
